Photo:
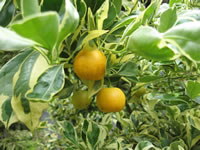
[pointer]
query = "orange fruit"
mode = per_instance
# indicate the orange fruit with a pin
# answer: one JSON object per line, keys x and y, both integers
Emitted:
{"x": 110, "y": 100}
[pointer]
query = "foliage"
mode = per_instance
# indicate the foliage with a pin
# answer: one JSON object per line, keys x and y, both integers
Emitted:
{"x": 152, "y": 56}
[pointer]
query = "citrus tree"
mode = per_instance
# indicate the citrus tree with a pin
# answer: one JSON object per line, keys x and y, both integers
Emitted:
{"x": 100, "y": 74}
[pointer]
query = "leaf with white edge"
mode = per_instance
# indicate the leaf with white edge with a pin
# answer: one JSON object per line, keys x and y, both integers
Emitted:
{"x": 102, "y": 14}
{"x": 151, "y": 45}
{"x": 7, "y": 13}
{"x": 7, "y": 72}
{"x": 2, "y": 4}
{"x": 29, "y": 7}
{"x": 41, "y": 28}
{"x": 68, "y": 24}
{"x": 48, "y": 84}
{"x": 186, "y": 38}
{"x": 70, "y": 133}
{"x": 92, "y": 134}
{"x": 10, "y": 41}
{"x": 111, "y": 16}
{"x": 30, "y": 70}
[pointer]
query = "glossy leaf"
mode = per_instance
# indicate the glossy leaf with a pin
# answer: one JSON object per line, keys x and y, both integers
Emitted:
{"x": 31, "y": 68}
{"x": 10, "y": 41}
{"x": 7, "y": 72}
{"x": 167, "y": 19}
{"x": 7, "y": 13}
{"x": 68, "y": 24}
{"x": 29, "y": 7}
{"x": 186, "y": 38}
{"x": 151, "y": 45}
{"x": 48, "y": 84}
{"x": 36, "y": 28}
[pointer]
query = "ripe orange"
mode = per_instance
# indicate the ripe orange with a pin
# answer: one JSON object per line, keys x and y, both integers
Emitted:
{"x": 90, "y": 64}
{"x": 110, "y": 100}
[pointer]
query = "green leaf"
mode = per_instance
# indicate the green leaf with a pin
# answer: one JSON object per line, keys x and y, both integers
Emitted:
{"x": 94, "y": 5}
{"x": 70, "y": 133}
{"x": 151, "y": 45}
{"x": 193, "y": 117}
{"x": 172, "y": 2}
{"x": 7, "y": 73}
{"x": 66, "y": 91}
{"x": 7, "y": 12}
{"x": 92, "y": 134}
{"x": 193, "y": 89}
{"x": 10, "y": 41}
{"x": 186, "y": 38}
{"x": 41, "y": 28}
{"x": 118, "y": 5}
{"x": 144, "y": 145}
{"x": 29, "y": 7}
{"x": 141, "y": 19}
{"x": 30, "y": 70}
{"x": 167, "y": 19}
{"x": 128, "y": 69}
{"x": 68, "y": 24}
{"x": 82, "y": 10}
{"x": 102, "y": 14}
{"x": 149, "y": 78}
{"x": 111, "y": 16}
{"x": 53, "y": 5}
{"x": 48, "y": 84}
{"x": 178, "y": 145}
{"x": 123, "y": 22}
{"x": 173, "y": 112}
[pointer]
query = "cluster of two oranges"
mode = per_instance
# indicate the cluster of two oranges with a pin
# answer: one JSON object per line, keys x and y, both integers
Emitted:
{"x": 90, "y": 65}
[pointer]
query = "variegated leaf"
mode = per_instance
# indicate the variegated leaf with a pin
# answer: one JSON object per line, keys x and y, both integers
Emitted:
{"x": 7, "y": 116}
{"x": 69, "y": 22}
{"x": 30, "y": 70}
{"x": 48, "y": 84}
